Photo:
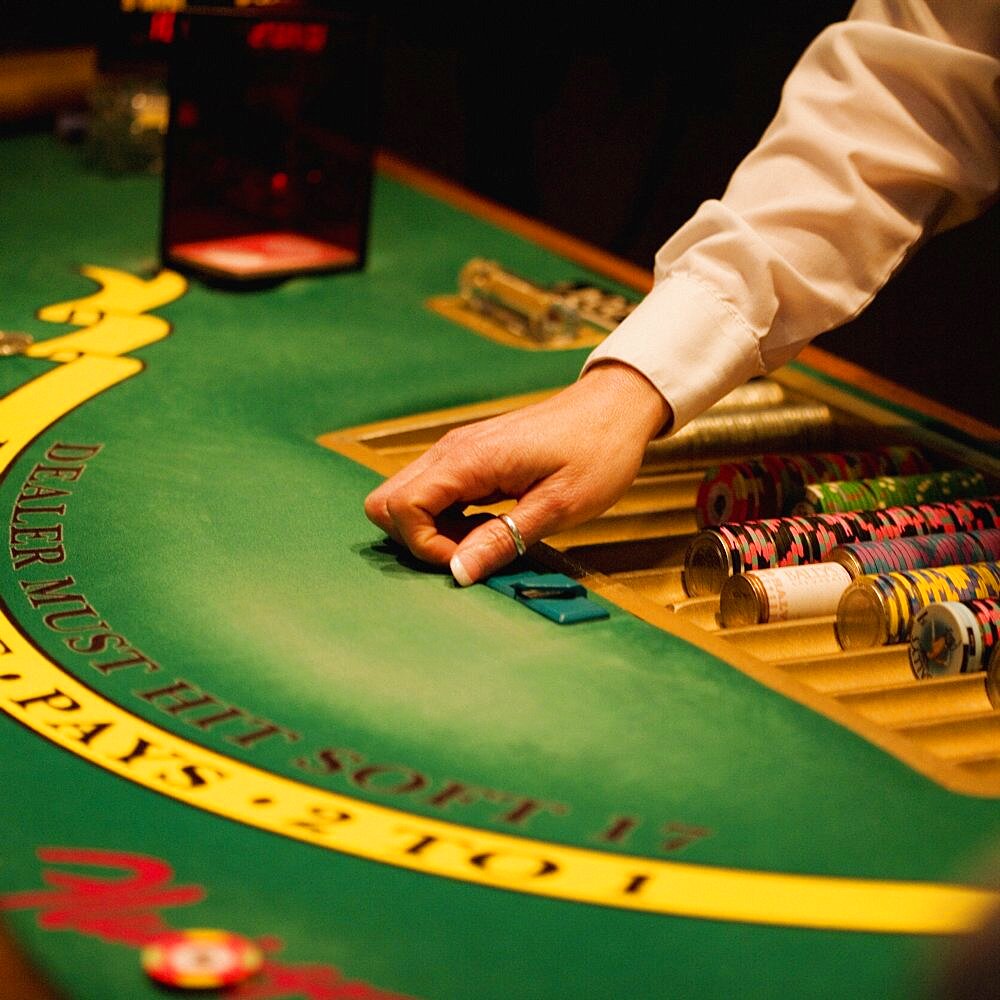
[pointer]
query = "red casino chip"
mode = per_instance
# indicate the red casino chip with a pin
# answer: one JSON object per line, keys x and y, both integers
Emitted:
{"x": 722, "y": 495}
{"x": 200, "y": 959}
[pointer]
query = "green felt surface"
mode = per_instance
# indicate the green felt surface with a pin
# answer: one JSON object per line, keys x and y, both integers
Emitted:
{"x": 217, "y": 535}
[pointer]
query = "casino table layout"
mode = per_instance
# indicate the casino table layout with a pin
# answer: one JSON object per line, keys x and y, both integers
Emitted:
{"x": 229, "y": 703}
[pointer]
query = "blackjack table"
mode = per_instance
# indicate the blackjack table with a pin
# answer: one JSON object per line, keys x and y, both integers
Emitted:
{"x": 228, "y": 702}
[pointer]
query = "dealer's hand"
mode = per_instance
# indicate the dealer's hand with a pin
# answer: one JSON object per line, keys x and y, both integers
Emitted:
{"x": 565, "y": 460}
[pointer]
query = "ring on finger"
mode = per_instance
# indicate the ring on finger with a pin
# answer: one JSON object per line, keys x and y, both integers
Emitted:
{"x": 515, "y": 535}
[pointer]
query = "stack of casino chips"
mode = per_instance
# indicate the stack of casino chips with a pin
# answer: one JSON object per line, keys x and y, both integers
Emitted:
{"x": 880, "y": 610}
{"x": 758, "y": 393}
{"x": 815, "y": 589}
{"x": 891, "y": 491}
{"x": 722, "y": 435}
{"x": 918, "y": 552}
{"x": 715, "y": 554}
{"x": 954, "y": 637}
{"x": 782, "y": 594}
{"x": 771, "y": 485}
{"x": 993, "y": 675}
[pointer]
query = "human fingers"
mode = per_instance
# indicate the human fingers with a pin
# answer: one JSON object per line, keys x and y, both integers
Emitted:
{"x": 460, "y": 477}
{"x": 484, "y": 550}
{"x": 377, "y": 502}
{"x": 565, "y": 460}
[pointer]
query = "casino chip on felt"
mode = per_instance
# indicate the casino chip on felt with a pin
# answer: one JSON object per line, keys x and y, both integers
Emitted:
{"x": 200, "y": 959}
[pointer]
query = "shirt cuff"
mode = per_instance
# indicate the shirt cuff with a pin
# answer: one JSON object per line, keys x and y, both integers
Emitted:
{"x": 689, "y": 343}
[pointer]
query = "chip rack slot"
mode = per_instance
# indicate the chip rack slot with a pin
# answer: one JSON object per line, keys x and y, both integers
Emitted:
{"x": 664, "y": 554}
{"x": 780, "y": 640}
{"x": 654, "y": 493}
{"x": 966, "y": 737}
{"x": 983, "y": 771}
{"x": 626, "y": 528}
{"x": 852, "y": 670}
{"x": 928, "y": 701}
{"x": 662, "y": 586}
{"x": 700, "y": 611}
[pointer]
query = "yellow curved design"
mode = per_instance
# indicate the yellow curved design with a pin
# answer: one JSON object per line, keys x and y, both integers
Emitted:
{"x": 89, "y": 360}
{"x": 39, "y": 694}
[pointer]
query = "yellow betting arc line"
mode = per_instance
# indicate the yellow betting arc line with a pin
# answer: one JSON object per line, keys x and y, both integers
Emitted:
{"x": 38, "y": 404}
{"x": 37, "y": 692}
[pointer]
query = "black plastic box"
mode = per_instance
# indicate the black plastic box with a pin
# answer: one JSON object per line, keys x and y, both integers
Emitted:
{"x": 268, "y": 165}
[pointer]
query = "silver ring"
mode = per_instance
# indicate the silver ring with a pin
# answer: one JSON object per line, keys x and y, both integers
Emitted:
{"x": 514, "y": 533}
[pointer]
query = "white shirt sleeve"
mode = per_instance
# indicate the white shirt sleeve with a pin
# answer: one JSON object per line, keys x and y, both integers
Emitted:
{"x": 888, "y": 131}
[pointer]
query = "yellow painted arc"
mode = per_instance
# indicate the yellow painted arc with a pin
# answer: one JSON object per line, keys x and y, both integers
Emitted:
{"x": 31, "y": 408}
{"x": 82, "y": 721}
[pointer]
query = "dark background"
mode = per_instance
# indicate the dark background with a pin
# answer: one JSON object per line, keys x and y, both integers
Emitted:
{"x": 613, "y": 126}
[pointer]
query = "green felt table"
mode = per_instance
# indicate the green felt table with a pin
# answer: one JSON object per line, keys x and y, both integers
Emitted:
{"x": 227, "y": 703}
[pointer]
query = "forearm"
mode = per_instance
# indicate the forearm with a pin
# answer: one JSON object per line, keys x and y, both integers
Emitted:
{"x": 887, "y": 132}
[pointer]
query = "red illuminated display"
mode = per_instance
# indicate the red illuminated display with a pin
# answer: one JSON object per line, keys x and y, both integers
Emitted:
{"x": 288, "y": 35}
{"x": 161, "y": 27}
